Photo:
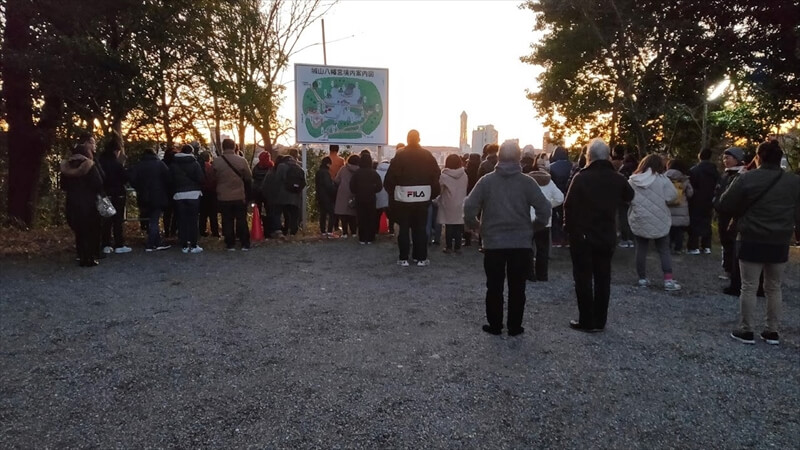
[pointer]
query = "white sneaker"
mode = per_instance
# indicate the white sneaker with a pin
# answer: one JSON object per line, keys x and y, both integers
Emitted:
{"x": 123, "y": 249}
{"x": 671, "y": 285}
{"x": 108, "y": 250}
{"x": 695, "y": 251}
{"x": 643, "y": 282}
{"x": 196, "y": 249}
{"x": 185, "y": 249}
{"x": 707, "y": 251}
{"x": 402, "y": 262}
{"x": 424, "y": 263}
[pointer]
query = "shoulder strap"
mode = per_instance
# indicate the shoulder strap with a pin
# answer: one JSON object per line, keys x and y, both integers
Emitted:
{"x": 231, "y": 166}
{"x": 764, "y": 192}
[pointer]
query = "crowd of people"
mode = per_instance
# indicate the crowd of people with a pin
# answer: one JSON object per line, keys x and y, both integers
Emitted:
{"x": 516, "y": 206}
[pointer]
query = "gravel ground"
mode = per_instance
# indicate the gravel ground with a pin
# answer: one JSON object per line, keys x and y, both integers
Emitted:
{"x": 330, "y": 345}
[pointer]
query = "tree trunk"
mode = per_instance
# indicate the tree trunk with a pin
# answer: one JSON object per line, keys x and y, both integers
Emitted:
{"x": 217, "y": 135}
{"x": 27, "y": 143}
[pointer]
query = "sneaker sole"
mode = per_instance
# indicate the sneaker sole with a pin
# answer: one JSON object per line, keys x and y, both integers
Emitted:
{"x": 770, "y": 341}
{"x": 743, "y": 341}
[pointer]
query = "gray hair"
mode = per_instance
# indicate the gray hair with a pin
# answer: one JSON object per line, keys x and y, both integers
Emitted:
{"x": 597, "y": 150}
{"x": 509, "y": 151}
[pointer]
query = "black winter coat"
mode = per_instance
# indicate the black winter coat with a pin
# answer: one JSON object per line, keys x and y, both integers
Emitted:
{"x": 187, "y": 175}
{"x": 83, "y": 181}
{"x": 151, "y": 179}
{"x": 413, "y": 166}
{"x": 364, "y": 184}
{"x": 115, "y": 176}
{"x": 326, "y": 190}
{"x": 704, "y": 178}
{"x": 590, "y": 206}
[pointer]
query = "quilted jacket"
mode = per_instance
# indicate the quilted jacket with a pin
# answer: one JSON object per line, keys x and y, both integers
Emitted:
{"x": 680, "y": 212}
{"x": 649, "y": 215}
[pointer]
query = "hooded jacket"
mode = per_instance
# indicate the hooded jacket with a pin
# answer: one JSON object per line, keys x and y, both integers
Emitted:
{"x": 365, "y": 184}
{"x": 187, "y": 176}
{"x": 649, "y": 215}
{"x": 704, "y": 178}
{"x": 283, "y": 195}
{"x": 382, "y": 197}
{"x": 451, "y": 200}
{"x": 590, "y": 206}
{"x": 504, "y": 199}
{"x": 549, "y": 189}
{"x": 680, "y": 212}
{"x": 325, "y": 189}
{"x": 83, "y": 182}
{"x": 343, "y": 192}
{"x": 560, "y": 168}
{"x": 487, "y": 165}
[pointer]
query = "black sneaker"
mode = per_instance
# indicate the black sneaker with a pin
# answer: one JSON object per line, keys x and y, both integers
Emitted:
{"x": 492, "y": 330}
{"x": 745, "y": 337}
{"x": 770, "y": 337}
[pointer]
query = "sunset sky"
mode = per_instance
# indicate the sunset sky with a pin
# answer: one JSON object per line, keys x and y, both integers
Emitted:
{"x": 443, "y": 57}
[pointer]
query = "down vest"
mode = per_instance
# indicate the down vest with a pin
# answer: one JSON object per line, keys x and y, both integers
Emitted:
{"x": 649, "y": 215}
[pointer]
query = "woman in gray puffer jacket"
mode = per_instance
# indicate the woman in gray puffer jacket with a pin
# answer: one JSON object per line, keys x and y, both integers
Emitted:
{"x": 679, "y": 208}
{"x": 650, "y": 218}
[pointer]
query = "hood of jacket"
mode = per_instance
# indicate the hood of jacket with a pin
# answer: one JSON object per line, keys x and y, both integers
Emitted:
{"x": 560, "y": 154}
{"x": 382, "y": 167}
{"x": 454, "y": 173}
{"x": 507, "y": 168}
{"x": 542, "y": 178}
{"x": 353, "y": 168}
{"x": 676, "y": 175}
{"x": 643, "y": 179}
{"x": 76, "y": 166}
{"x": 184, "y": 158}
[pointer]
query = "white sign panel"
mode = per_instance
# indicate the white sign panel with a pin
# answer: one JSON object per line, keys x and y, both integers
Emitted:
{"x": 341, "y": 105}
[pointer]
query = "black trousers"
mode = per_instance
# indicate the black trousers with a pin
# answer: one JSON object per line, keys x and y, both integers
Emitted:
{"x": 326, "y": 221}
{"x": 87, "y": 234}
{"x": 413, "y": 217}
{"x": 291, "y": 219}
{"x": 498, "y": 264}
{"x": 187, "y": 211}
{"x": 591, "y": 269}
{"x": 541, "y": 245}
{"x": 208, "y": 213}
{"x": 115, "y": 223}
{"x": 234, "y": 216}
{"x": 349, "y": 224}
{"x": 452, "y": 236}
{"x": 699, "y": 232}
{"x": 367, "y": 224}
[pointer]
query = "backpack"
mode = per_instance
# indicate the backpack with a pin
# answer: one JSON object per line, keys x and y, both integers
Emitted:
{"x": 678, "y": 184}
{"x": 295, "y": 179}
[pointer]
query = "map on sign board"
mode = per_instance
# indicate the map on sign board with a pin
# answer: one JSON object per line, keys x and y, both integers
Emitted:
{"x": 345, "y": 105}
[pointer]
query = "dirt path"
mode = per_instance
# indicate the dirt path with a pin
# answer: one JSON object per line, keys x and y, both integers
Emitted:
{"x": 330, "y": 345}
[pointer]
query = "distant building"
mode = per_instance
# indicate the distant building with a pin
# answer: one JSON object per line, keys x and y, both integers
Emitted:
{"x": 484, "y": 134}
{"x": 462, "y": 136}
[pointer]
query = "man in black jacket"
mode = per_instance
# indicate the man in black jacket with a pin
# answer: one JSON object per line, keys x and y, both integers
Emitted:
{"x": 590, "y": 211}
{"x": 413, "y": 181}
{"x": 704, "y": 178}
{"x": 151, "y": 179}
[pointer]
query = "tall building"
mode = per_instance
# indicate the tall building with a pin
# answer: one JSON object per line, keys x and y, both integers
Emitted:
{"x": 484, "y": 134}
{"x": 462, "y": 137}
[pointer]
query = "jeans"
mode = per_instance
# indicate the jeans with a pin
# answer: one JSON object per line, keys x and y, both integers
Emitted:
{"x": 234, "y": 216}
{"x": 452, "y": 236}
{"x": 662, "y": 245}
{"x": 412, "y": 216}
{"x": 591, "y": 269}
{"x": 188, "y": 211}
{"x": 115, "y": 222}
{"x": 499, "y": 264}
{"x": 773, "y": 274}
{"x": 432, "y": 227}
{"x": 153, "y": 231}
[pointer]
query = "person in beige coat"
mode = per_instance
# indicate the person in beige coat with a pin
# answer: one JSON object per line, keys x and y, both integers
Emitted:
{"x": 650, "y": 218}
{"x": 453, "y": 183}
{"x": 232, "y": 174}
